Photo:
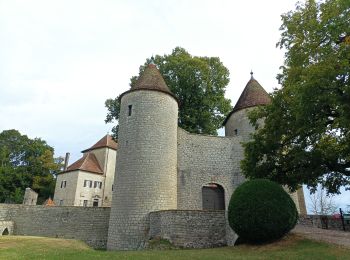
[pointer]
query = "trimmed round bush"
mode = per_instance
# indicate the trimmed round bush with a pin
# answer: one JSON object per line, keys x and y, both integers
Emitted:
{"x": 261, "y": 211}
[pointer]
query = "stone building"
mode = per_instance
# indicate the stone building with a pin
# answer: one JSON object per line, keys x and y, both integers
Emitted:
{"x": 162, "y": 167}
{"x": 89, "y": 181}
{"x": 30, "y": 197}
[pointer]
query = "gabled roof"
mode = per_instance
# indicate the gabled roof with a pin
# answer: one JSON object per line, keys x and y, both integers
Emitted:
{"x": 106, "y": 141}
{"x": 49, "y": 202}
{"x": 87, "y": 163}
{"x": 253, "y": 95}
{"x": 150, "y": 79}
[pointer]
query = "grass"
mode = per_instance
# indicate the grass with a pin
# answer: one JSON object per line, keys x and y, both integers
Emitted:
{"x": 291, "y": 247}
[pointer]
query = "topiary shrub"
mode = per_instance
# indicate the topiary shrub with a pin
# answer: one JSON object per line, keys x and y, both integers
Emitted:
{"x": 261, "y": 210}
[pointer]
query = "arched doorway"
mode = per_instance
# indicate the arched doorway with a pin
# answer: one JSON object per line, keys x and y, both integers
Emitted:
{"x": 5, "y": 232}
{"x": 213, "y": 197}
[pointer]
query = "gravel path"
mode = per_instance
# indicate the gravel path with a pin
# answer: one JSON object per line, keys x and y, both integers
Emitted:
{"x": 331, "y": 236}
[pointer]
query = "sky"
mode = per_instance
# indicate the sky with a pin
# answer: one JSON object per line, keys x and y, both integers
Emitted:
{"x": 60, "y": 60}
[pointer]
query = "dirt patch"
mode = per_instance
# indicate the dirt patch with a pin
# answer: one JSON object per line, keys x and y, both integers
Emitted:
{"x": 336, "y": 237}
{"x": 288, "y": 240}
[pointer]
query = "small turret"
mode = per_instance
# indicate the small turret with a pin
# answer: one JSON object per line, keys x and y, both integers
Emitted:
{"x": 237, "y": 122}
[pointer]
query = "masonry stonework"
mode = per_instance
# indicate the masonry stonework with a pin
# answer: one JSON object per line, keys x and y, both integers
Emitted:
{"x": 83, "y": 223}
{"x": 203, "y": 160}
{"x": 146, "y": 178}
{"x": 189, "y": 228}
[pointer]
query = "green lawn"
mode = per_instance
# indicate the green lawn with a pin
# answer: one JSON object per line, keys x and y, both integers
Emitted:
{"x": 292, "y": 247}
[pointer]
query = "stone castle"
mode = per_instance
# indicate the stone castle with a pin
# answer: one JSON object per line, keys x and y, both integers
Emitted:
{"x": 161, "y": 167}
{"x": 164, "y": 182}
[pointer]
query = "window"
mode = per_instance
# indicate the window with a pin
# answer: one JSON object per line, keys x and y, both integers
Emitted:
{"x": 130, "y": 110}
{"x": 98, "y": 184}
{"x": 85, "y": 203}
{"x": 63, "y": 184}
{"x": 236, "y": 131}
{"x": 112, "y": 187}
{"x": 61, "y": 203}
{"x": 88, "y": 183}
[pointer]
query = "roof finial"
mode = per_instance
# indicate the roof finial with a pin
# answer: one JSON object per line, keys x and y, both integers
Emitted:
{"x": 251, "y": 74}
{"x": 152, "y": 60}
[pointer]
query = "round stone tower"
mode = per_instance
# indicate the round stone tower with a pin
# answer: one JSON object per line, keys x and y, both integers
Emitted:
{"x": 146, "y": 166}
{"x": 237, "y": 122}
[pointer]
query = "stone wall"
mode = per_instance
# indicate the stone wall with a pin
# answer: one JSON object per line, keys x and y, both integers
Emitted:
{"x": 83, "y": 223}
{"x": 204, "y": 159}
{"x": 189, "y": 228}
{"x": 326, "y": 222}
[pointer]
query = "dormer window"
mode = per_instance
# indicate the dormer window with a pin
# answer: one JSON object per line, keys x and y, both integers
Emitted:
{"x": 130, "y": 110}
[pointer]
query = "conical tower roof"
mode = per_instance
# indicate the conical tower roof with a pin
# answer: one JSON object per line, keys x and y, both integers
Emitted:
{"x": 106, "y": 141}
{"x": 150, "y": 79}
{"x": 253, "y": 95}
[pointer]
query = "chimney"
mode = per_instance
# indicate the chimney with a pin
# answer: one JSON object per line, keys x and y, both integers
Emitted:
{"x": 66, "y": 161}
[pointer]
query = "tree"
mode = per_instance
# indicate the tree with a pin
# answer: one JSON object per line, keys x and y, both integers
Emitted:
{"x": 25, "y": 163}
{"x": 322, "y": 203}
{"x": 306, "y": 133}
{"x": 199, "y": 83}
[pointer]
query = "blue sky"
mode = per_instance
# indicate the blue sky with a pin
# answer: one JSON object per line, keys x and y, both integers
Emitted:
{"x": 60, "y": 60}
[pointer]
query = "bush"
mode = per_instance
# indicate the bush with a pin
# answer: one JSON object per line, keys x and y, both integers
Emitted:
{"x": 261, "y": 211}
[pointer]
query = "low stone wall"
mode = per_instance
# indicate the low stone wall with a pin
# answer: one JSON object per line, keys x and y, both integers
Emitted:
{"x": 89, "y": 224}
{"x": 189, "y": 228}
{"x": 326, "y": 222}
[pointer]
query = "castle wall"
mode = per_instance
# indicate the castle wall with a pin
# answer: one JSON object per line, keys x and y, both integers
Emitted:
{"x": 145, "y": 179}
{"x": 206, "y": 159}
{"x": 87, "y": 224}
{"x": 189, "y": 228}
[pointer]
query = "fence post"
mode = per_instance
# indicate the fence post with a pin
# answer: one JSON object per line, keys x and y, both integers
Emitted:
{"x": 342, "y": 218}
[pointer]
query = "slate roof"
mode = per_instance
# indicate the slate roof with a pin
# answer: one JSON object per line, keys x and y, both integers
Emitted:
{"x": 150, "y": 79}
{"x": 253, "y": 95}
{"x": 87, "y": 163}
{"x": 106, "y": 141}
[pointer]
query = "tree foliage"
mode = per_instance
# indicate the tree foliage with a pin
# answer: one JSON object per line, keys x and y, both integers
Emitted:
{"x": 260, "y": 211}
{"x": 26, "y": 163}
{"x": 306, "y": 135}
{"x": 199, "y": 83}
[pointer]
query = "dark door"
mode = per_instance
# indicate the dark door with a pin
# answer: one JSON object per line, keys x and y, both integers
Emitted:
{"x": 213, "y": 197}
{"x": 95, "y": 203}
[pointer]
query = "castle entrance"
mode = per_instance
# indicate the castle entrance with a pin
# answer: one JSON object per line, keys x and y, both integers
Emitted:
{"x": 213, "y": 197}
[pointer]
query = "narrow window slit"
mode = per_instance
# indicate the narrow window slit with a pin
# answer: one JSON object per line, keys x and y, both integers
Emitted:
{"x": 130, "y": 109}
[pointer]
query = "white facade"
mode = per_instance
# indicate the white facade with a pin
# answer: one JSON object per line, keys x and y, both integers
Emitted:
{"x": 88, "y": 182}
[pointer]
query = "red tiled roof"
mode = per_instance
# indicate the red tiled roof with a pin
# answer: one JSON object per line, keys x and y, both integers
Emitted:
{"x": 150, "y": 79}
{"x": 49, "y": 202}
{"x": 106, "y": 141}
{"x": 87, "y": 163}
{"x": 253, "y": 95}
